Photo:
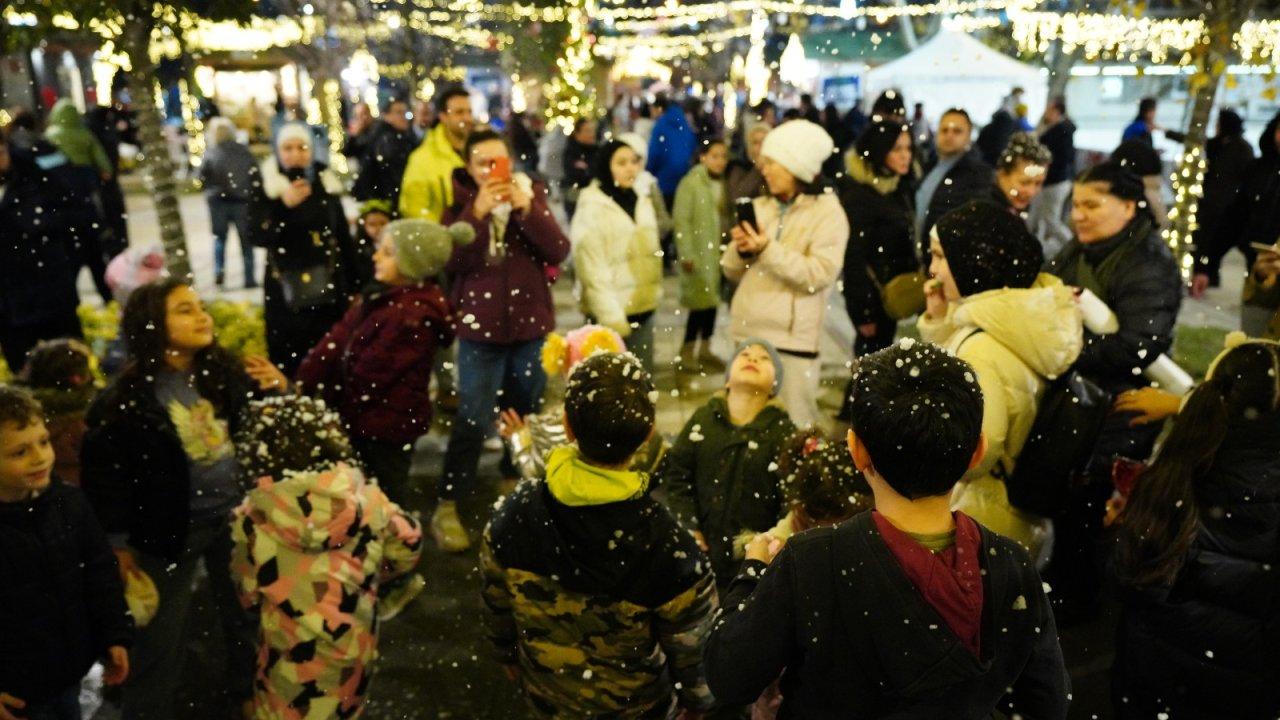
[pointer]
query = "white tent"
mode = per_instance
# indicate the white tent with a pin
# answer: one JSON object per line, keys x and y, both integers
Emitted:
{"x": 955, "y": 70}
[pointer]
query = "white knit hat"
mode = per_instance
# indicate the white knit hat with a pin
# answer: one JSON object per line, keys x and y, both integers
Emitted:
{"x": 294, "y": 131}
{"x": 799, "y": 146}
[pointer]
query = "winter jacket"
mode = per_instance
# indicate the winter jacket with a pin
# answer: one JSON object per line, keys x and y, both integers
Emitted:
{"x": 383, "y": 162}
{"x": 427, "y": 188}
{"x": 1142, "y": 286}
{"x": 700, "y": 216}
{"x": 68, "y": 133}
{"x": 133, "y": 466}
{"x": 576, "y": 164}
{"x": 1254, "y": 216}
{"x": 310, "y": 551}
{"x": 229, "y": 172}
{"x": 61, "y": 602}
{"x": 836, "y": 616}
{"x": 374, "y": 366}
{"x": 1207, "y": 647}
{"x": 671, "y": 146}
{"x": 1060, "y": 138}
{"x": 313, "y": 234}
{"x": 500, "y": 285}
{"x": 742, "y": 180}
{"x": 968, "y": 179}
{"x": 782, "y": 292}
{"x": 993, "y": 138}
{"x": 597, "y": 594}
{"x": 545, "y": 431}
{"x": 37, "y": 267}
{"x": 1229, "y": 158}
{"x": 881, "y": 246}
{"x": 1016, "y": 340}
{"x": 617, "y": 258}
{"x": 722, "y": 479}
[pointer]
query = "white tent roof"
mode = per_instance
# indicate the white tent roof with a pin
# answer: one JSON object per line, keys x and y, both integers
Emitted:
{"x": 954, "y": 70}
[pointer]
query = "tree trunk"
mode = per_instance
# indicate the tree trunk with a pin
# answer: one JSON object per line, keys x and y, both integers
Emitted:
{"x": 157, "y": 169}
{"x": 904, "y": 24}
{"x": 1060, "y": 70}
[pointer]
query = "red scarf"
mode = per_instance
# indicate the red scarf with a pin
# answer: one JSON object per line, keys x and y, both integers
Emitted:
{"x": 950, "y": 581}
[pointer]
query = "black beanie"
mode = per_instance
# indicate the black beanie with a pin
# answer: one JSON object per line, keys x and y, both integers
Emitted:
{"x": 987, "y": 248}
{"x": 876, "y": 141}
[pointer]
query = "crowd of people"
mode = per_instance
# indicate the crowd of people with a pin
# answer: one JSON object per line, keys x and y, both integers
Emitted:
{"x": 756, "y": 563}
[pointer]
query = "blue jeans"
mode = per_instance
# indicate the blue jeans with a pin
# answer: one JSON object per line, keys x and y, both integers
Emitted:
{"x": 222, "y": 215}
{"x": 490, "y": 377}
{"x": 63, "y": 706}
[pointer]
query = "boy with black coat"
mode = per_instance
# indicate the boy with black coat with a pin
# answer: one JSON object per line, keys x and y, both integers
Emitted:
{"x": 908, "y": 611}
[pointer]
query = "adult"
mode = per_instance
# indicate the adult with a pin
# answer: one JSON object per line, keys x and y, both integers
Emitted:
{"x": 384, "y": 159}
{"x": 889, "y": 105}
{"x": 427, "y": 188}
{"x": 701, "y": 222}
{"x": 1198, "y": 544}
{"x": 503, "y": 305}
{"x": 990, "y": 306}
{"x": 160, "y": 469}
{"x": 1143, "y": 124}
{"x": 743, "y": 178}
{"x": 38, "y": 297}
{"x": 423, "y": 119}
{"x": 1141, "y": 157}
{"x": 105, "y": 124}
{"x": 921, "y": 131}
{"x": 579, "y": 160}
{"x": 87, "y": 168}
{"x": 228, "y": 173}
{"x": 1119, "y": 256}
{"x": 671, "y": 146}
{"x": 994, "y": 136}
{"x": 1020, "y": 174}
{"x": 1056, "y": 132}
{"x": 296, "y": 214}
{"x": 524, "y": 143}
{"x": 956, "y": 176}
{"x": 1229, "y": 159}
{"x": 359, "y": 131}
{"x": 835, "y": 126}
{"x": 1262, "y": 291}
{"x": 786, "y": 263}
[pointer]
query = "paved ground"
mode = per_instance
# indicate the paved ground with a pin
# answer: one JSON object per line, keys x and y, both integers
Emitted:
{"x": 435, "y": 663}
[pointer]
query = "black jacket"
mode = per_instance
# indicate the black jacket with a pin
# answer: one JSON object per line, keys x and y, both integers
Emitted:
{"x": 1228, "y": 160}
{"x": 1208, "y": 647}
{"x": 1254, "y": 214}
{"x": 994, "y": 136}
{"x": 61, "y": 602}
{"x": 134, "y": 468}
{"x": 1060, "y": 138}
{"x": 968, "y": 179}
{"x": 838, "y": 619}
{"x": 579, "y": 159}
{"x": 382, "y": 163}
{"x": 881, "y": 242}
{"x": 1144, "y": 292}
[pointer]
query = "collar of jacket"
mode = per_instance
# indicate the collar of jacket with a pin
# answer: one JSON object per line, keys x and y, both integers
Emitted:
{"x": 274, "y": 182}
{"x": 437, "y": 143}
{"x": 719, "y": 404}
{"x": 576, "y": 483}
{"x": 1137, "y": 229}
{"x": 862, "y": 174}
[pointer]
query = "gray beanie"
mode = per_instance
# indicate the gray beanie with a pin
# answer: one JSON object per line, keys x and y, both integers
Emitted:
{"x": 423, "y": 247}
{"x": 774, "y": 357}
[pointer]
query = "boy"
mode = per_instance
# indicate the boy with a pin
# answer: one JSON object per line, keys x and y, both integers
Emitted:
{"x": 61, "y": 603}
{"x": 910, "y": 610}
{"x": 598, "y": 601}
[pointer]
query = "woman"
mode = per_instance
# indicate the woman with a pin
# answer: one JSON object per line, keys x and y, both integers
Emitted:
{"x": 989, "y": 304}
{"x": 785, "y": 264}
{"x": 700, "y": 222}
{"x": 1198, "y": 544}
{"x": 1020, "y": 173}
{"x": 312, "y": 263}
{"x": 159, "y": 467}
{"x": 1228, "y": 156}
{"x": 617, "y": 256}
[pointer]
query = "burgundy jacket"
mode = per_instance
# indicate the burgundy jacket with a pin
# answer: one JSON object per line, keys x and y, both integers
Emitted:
{"x": 504, "y": 297}
{"x": 374, "y": 365}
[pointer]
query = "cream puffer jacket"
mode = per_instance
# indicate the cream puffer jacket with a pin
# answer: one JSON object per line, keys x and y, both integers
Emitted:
{"x": 617, "y": 258}
{"x": 782, "y": 293}
{"x": 1016, "y": 340}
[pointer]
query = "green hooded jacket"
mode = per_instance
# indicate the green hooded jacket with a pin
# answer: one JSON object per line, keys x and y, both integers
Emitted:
{"x": 68, "y": 133}
{"x": 700, "y": 221}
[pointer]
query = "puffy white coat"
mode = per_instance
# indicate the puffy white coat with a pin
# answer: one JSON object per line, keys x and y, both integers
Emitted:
{"x": 1028, "y": 336}
{"x": 617, "y": 258}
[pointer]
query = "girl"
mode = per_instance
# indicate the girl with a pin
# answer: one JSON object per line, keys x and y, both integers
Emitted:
{"x": 313, "y": 544}
{"x": 159, "y": 467}
{"x": 700, "y": 220}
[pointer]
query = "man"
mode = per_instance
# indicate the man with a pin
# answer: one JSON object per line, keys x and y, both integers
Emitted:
{"x": 1057, "y": 133}
{"x": 671, "y": 148}
{"x": 359, "y": 132}
{"x": 427, "y": 188}
{"x": 956, "y": 176}
{"x": 383, "y": 162}
{"x": 500, "y": 294}
{"x": 422, "y": 118}
{"x": 1144, "y": 123}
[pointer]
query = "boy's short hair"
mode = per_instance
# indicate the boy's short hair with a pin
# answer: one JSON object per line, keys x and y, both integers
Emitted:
{"x": 918, "y": 411}
{"x": 18, "y": 406}
{"x": 609, "y": 403}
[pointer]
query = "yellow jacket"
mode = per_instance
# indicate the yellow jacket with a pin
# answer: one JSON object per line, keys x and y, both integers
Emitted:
{"x": 427, "y": 189}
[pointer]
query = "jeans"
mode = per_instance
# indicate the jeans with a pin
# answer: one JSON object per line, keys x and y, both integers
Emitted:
{"x": 63, "y": 706}
{"x": 701, "y": 324}
{"x": 491, "y": 377}
{"x": 161, "y": 647}
{"x": 223, "y": 214}
{"x": 1046, "y": 218}
{"x": 799, "y": 392}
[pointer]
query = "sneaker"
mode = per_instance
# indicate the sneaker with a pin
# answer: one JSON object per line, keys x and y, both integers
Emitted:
{"x": 219, "y": 279}
{"x": 447, "y": 528}
{"x": 397, "y": 594}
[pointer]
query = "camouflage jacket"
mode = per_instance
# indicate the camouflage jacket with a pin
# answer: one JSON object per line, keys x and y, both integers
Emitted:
{"x": 604, "y": 608}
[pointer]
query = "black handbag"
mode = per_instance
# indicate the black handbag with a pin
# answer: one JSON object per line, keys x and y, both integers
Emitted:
{"x": 311, "y": 287}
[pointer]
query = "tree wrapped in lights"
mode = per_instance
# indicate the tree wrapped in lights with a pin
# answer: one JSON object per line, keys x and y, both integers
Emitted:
{"x": 570, "y": 94}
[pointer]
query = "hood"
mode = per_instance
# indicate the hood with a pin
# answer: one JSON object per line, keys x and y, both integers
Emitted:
{"x": 860, "y": 171}
{"x": 65, "y": 115}
{"x": 311, "y": 512}
{"x": 1267, "y": 141}
{"x": 1040, "y": 324}
{"x": 576, "y": 483}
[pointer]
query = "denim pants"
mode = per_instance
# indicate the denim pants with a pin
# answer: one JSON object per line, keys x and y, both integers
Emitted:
{"x": 491, "y": 377}
{"x": 63, "y": 706}
{"x": 222, "y": 215}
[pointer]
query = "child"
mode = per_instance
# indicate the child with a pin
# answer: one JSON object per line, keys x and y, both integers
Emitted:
{"x": 374, "y": 216}
{"x": 61, "y": 603}
{"x": 374, "y": 366}
{"x": 313, "y": 543}
{"x": 60, "y": 373}
{"x": 597, "y": 600}
{"x": 700, "y": 220}
{"x": 721, "y": 476}
{"x": 908, "y": 611}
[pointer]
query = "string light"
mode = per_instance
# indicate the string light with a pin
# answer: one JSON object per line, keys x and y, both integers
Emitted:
{"x": 669, "y": 47}
{"x": 570, "y": 94}
{"x": 1116, "y": 37}
{"x": 1188, "y": 187}
{"x": 333, "y": 109}
{"x": 192, "y": 123}
{"x": 756, "y": 71}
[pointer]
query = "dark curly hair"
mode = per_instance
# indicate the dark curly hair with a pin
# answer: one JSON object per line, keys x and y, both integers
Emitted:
{"x": 289, "y": 433}
{"x": 818, "y": 476}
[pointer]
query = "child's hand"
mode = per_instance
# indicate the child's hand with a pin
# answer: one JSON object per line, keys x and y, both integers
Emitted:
{"x": 701, "y": 539}
{"x": 7, "y": 703}
{"x": 296, "y": 194}
{"x": 117, "y": 670}
{"x": 509, "y": 423}
{"x": 268, "y": 376}
{"x": 127, "y": 563}
{"x": 1148, "y": 405}
{"x": 764, "y": 547}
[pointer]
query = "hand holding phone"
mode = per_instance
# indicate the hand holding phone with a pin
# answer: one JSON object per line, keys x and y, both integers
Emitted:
{"x": 744, "y": 211}
{"x": 500, "y": 169}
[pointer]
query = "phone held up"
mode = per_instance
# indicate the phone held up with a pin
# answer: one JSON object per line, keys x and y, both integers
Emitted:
{"x": 500, "y": 169}
{"x": 744, "y": 211}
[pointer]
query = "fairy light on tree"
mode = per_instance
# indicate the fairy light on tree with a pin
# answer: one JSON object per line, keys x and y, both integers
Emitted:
{"x": 570, "y": 94}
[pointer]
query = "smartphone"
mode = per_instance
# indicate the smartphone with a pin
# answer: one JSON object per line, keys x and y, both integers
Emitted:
{"x": 500, "y": 169}
{"x": 1263, "y": 247}
{"x": 744, "y": 210}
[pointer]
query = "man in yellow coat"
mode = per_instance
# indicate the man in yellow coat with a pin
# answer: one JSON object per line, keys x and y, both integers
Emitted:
{"x": 427, "y": 188}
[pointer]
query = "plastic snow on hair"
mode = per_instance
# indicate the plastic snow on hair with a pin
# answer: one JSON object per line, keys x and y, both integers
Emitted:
{"x": 287, "y": 434}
